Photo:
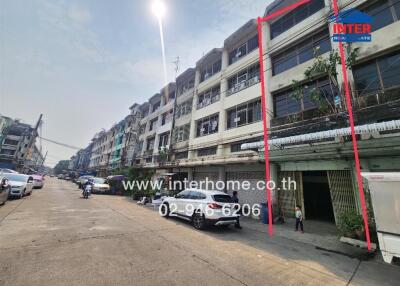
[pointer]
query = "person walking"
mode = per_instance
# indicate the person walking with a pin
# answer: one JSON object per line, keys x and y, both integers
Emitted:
{"x": 299, "y": 219}
{"x": 235, "y": 200}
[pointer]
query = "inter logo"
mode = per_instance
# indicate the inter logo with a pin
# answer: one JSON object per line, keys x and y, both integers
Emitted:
{"x": 351, "y": 26}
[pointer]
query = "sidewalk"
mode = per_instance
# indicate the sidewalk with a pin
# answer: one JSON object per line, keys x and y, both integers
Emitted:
{"x": 318, "y": 234}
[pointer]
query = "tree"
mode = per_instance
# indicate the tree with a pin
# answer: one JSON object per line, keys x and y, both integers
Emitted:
{"x": 324, "y": 66}
{"x": 61, "y": 166}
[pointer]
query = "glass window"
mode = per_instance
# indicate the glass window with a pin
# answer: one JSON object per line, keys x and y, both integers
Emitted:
{"x": 381, "y": 14}
{"x": 243, "y": 79}
{"x": 207, "y": 125}
{"x": 207, "y": 151}
{"x": 366, "y": 78}
{"x": 244, "y": 114}
{"x": 285, "y": 104}
{"x": 296, "y": 16}
{"x": 208, "y": 97}
{"x": 301, "y": 52}
{"x": 390, "y": 70}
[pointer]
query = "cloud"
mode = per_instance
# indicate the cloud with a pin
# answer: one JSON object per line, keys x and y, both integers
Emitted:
{"x": 79, "y": 15}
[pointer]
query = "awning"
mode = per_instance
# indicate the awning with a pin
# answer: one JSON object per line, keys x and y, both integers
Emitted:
{"x": 361, "y": 129}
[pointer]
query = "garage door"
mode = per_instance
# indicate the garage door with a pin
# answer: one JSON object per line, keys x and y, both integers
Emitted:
{"x": 252, "y": 195}
{"x": 200, "y": 177}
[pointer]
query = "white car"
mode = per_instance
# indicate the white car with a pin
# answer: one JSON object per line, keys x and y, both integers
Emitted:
{"x": 201, "y": 207}
{"x": 99, "y": 185}
{"x": 21, "y": 185}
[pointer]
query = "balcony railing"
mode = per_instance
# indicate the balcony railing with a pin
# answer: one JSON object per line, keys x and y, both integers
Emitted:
{"x": 243, "y": 85}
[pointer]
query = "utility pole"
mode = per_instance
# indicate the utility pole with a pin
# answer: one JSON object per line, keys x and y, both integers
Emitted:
{"x": 176, "y": 62}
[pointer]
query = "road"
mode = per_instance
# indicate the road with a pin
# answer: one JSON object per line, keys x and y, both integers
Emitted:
{"x": 56, "y": 238}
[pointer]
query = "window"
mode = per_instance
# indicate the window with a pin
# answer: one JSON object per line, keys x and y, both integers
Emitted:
{"x": 181, "y": 133}
{"x": 156, "y": 106}
{"x": 243, "y": 50}
{"x": 166, "y": 117}
{"x": 150, "y": 144}
{"x": 185, "y": 86}
{"x": 197, "y": 195}
{"x": 244, "y": 114}
{"x": 7, "y": 152}
{"x": 183, "y": 109}
{"x": 237, "y": 146}
{"x": 285, "y": 105}
{"x": 301, "y": 52}
{"x": 210, "y": 70}
{"x": 244, "y": 79}
{"x": 163, "y": 140}
{"x": 208, "y": 97}
{"x": 181, "y": 155}
{"x": 207, "y": 125}
{"x": 383, "y": 13}
{"x": 140, "y": 146}
{"x": 207, "y": 151}
{"x": 142, "y": 128}
{"x": 377, "y": 75}
{"x": 153, "y": 124}
{"x": 10, "y": 142}
{"x": 295, "y": 16}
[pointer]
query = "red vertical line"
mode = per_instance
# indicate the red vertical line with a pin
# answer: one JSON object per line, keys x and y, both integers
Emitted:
{"x": 264, "y": 115}
{"x": 353, "y": 134}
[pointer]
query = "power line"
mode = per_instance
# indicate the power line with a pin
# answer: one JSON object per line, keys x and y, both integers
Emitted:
{"x": 61, "y": 144}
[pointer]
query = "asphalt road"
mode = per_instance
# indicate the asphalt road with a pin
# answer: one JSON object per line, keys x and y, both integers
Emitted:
{"x": 56, "y": 238}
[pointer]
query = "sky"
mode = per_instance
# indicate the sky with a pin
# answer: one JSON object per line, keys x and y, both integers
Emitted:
{"x": 84, "y": 63}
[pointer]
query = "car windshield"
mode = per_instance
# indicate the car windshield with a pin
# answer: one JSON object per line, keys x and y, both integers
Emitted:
{"x": 222, "y": 198}
{"x": 99, "y": 181}
{"x": 16, "y": 177}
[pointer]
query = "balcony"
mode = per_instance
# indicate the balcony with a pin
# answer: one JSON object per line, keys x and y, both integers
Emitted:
{"x": 243, "y": 85}
{"x": 375, "y": 107}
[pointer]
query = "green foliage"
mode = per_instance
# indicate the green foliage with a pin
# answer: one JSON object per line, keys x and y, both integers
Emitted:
{"x": 323, "y": 66}
{"x": 350, "y": 222}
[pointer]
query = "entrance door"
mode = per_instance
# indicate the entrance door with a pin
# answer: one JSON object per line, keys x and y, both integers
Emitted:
{"x": 317, "y": 197}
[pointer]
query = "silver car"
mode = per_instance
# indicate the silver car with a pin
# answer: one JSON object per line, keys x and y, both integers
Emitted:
{"x": 5, "y": 189}
{"x": 21, "y": 185}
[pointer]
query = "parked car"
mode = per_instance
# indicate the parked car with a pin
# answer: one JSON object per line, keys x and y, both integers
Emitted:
{"x": 99, "y": 185}
{"x": 201, "y": 207}
{"x": 38, "y": 181}
{"x": 60, "y": 177}
{"x": 5, "y": 189}
{"x": 82, "y": 180}
{"x": 21, "y": 185}
{"x": 8, "y": 171}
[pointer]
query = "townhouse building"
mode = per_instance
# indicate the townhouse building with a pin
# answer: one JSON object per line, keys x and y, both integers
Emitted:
{"x": 324, "y": 169}
{"x": 17, "y": 146}
{"x": 209, "y": 123}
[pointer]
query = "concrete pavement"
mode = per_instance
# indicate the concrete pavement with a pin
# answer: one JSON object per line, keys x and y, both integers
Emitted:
{"x": 56, "y": 238}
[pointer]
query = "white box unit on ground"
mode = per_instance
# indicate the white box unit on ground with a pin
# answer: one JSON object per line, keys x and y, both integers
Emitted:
{"x": 385, "y": 196}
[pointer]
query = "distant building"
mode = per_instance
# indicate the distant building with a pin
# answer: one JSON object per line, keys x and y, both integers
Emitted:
{"x": 17, "y": 146}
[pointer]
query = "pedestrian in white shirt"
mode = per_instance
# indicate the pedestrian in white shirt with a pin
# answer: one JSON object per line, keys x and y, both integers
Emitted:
{"x": 299, "y": 219}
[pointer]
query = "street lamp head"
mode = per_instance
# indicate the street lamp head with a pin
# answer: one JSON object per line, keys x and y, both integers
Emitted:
{"x": 159, "y": 9}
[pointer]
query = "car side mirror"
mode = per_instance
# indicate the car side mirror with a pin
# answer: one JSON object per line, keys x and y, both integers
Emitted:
{"x": 30, "y": 180}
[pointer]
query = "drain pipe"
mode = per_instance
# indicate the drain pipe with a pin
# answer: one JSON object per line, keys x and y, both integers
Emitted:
{"x": 361, "y": 129}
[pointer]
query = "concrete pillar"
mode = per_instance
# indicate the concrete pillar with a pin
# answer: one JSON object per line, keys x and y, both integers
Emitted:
{"x": 190, "y": 174}
{"x": 225, "y": 59}
{"x": 274, "y": 178}
{"x": 222, "y": 175}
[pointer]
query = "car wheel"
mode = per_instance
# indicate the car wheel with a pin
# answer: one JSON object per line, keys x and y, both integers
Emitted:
{"x": 165, "y": 210}
{"x": 198, "y": 221}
